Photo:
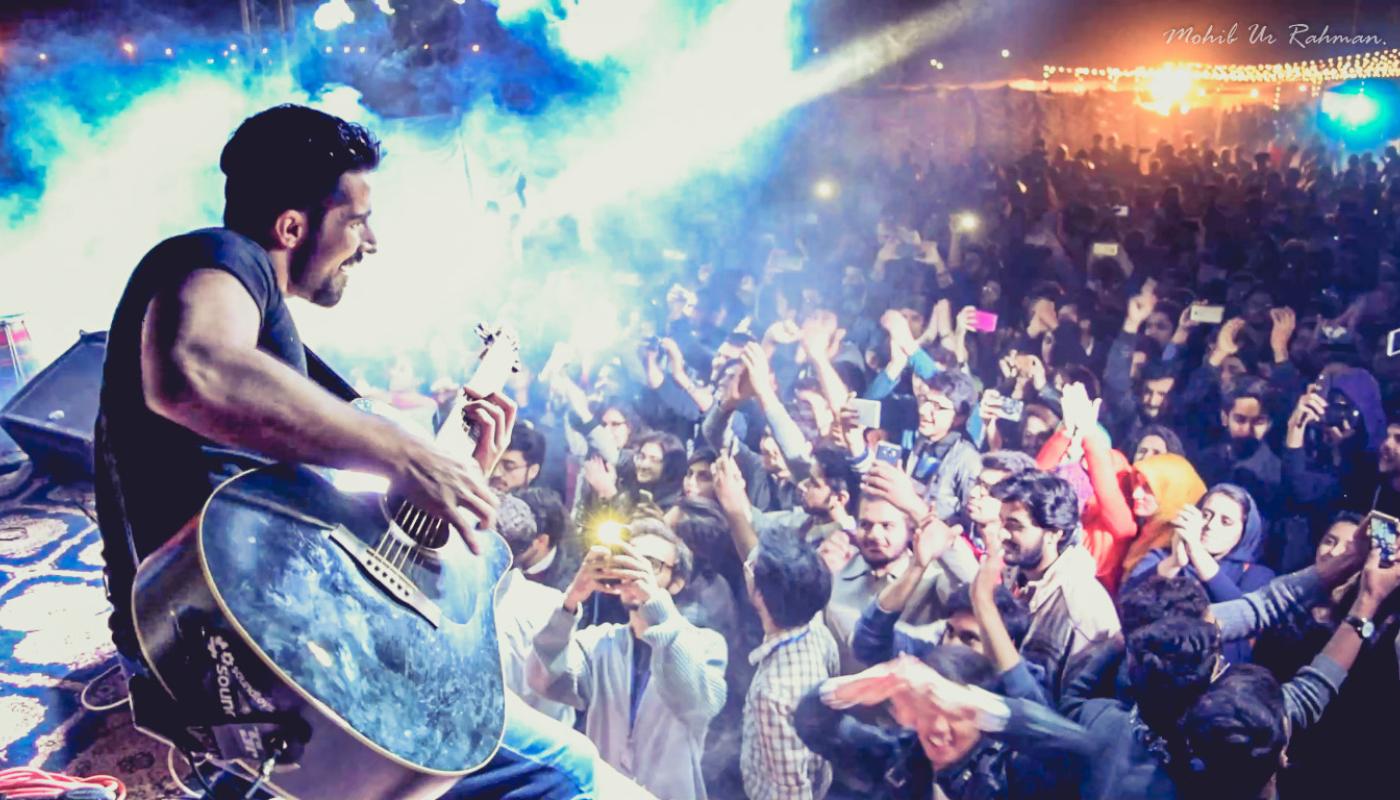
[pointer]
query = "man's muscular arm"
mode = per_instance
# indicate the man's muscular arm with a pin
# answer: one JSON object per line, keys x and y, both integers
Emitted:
{"x": 201, "y": 368}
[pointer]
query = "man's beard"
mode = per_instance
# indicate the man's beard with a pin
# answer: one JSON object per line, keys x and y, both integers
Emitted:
{"x": 1242, "y": 449}
{"x": 330, "y": 290}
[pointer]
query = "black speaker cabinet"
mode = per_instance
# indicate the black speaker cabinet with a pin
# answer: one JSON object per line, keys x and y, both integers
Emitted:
{"x": 52, "y": 417}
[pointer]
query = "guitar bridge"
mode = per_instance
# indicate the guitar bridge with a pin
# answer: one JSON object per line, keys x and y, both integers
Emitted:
{"x": 389, "y": 577}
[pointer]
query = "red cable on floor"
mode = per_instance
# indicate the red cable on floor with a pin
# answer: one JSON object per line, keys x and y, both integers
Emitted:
{"x": 24, "y": 782}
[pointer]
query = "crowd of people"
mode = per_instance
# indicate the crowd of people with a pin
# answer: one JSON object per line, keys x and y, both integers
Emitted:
{"x": 1062, "y": 476}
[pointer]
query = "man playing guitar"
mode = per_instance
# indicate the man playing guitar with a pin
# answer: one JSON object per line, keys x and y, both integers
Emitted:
{"x": 203, "y": 352}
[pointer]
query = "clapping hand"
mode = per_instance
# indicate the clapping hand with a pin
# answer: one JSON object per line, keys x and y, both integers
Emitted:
{"x": 932, "y": 539}
{"x": 1080, "y": 413}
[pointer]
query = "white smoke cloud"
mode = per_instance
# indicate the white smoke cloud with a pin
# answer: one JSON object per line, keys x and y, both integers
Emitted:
{"x": 685, "y": 91}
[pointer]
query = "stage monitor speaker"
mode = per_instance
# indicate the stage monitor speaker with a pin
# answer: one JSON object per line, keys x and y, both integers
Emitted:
{"x": 52, "y": 416}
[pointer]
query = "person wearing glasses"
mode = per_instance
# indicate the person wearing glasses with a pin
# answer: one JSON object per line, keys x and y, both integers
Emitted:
{"x": 650, "y": 687}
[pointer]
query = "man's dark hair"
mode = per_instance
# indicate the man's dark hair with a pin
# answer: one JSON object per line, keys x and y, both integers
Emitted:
{"x": 791, "y": 578}
{"x": 838, "y": 474}
{"x": 1045, "y": 290}
{"x": 1169, "y": 663}
{"x": 958, "y": 388}
{"x": 1246, "y": 388}
{"x": 963, "y": 665}
{"x": 1345, "y": 516}
{"x": 650, "y": 526}
{"x": 1015, "y": 615}
{"x": 1159, "y": 597}
{"x": 1049, "y": 499}
{"x": 1012, "y": 462}
{"x": 1233, "y": 735}
{"x": 548, "y": 509}
{"x": 703, "y": 526}
{"x": 289, "y": 157}
{"x": 1155, "y": 371}
{"x": 529, "y": 442}
{"x": 702, "y": 455}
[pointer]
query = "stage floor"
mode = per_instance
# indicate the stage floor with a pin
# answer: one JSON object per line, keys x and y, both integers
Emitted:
{"x": 54, "y": 641}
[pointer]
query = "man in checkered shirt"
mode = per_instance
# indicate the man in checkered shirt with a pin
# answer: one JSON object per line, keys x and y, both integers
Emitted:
{"x": 789, "y": 586}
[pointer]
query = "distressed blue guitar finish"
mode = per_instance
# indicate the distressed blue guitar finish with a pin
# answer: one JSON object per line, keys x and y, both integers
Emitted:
{"x": 397, "y": 706}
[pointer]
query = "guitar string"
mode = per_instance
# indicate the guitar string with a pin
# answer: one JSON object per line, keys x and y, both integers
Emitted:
{"x": 403, "y": 549}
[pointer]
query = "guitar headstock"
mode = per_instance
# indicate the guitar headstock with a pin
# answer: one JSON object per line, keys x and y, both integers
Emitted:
{"x": 500, "y": 357}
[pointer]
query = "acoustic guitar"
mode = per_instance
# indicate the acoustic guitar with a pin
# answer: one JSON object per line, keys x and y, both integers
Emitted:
{"x": 337, "y": 645}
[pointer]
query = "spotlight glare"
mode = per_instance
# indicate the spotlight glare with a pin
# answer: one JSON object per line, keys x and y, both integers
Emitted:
{"x": 43, "y": 56}
{"x": 1005, "y": 53}
{"x": 169, "y": 51}
{"x": 332, "y": 14}
{"x": 128, "y": 48}
{"x": 476, "y": 48}
{"x": 1351, "y": 110}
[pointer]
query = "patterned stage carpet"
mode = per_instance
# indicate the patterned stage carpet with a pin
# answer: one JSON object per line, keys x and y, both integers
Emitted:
{"x": 54, "y": 640}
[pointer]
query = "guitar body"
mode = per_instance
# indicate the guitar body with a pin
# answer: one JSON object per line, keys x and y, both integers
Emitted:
{"x": 290, "y": 601}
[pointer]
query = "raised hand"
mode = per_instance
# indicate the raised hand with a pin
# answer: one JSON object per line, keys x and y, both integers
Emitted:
{"x": 491, "y": 419}
{"x": 1080, "y": 414}
{"x": 1140, "y": 307}
{"x": 783, "y": 332}
{"x": 592, "y": 576}
{"x": 819, "y": 335}
{"x": 675, "y": 359}
{"x": 1285, "y": 322}
{"x": 636, "y": 580}
{"x": 901, "y": 337}
{"x": 1227, "y": 342}
{"x": 760, "y": 375}
{"x": 601, "y": 477}
{"x": 730, "y": 489}
{"x": 932, "y": 539}
{"x": 886, "y": 482}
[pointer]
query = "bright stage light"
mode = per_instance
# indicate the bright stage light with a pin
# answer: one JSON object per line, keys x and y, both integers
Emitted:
{"x": 824, "y": 189}
{"x": 1169, "y": 87}
{"x": 1351, "y": 110}
{"x": 1006, "y": 53}
{"x": 332, "y": 14}
{"x": 129, "y": 48}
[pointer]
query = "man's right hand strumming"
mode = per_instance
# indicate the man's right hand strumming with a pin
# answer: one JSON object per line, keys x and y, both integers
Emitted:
{"x": 449, "y": 488}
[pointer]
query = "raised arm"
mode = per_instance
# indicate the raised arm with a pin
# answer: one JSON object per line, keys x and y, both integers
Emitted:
{"x": 201, "y": 368}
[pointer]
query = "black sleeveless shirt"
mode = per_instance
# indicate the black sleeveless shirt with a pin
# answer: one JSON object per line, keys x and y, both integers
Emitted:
{"x": 152, "y": 475}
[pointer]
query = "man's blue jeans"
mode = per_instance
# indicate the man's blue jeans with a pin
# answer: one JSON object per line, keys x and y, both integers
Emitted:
{"x": 539, "y": 759}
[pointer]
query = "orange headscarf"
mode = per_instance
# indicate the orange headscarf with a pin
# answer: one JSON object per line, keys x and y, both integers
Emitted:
{"x": 1175, "y": 484}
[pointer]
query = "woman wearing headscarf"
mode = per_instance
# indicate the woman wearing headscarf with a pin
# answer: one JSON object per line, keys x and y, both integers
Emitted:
{"x": 1217, "y": 542}
{"x": 1162, "y": 486}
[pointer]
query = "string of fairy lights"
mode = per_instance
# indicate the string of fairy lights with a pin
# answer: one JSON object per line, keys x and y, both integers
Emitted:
{"x": 1375, "y": 64}
{"x": 1176, "y": 85}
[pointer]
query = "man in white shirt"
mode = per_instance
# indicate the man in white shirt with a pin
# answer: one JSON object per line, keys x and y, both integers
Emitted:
{"x": 1054, "y": 575}
{"x": 523, "y": 607}
{"x": 650, "y": 687}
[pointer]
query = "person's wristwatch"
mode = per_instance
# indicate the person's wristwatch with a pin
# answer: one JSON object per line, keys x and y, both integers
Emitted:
{"x": 1365, "y": 628}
